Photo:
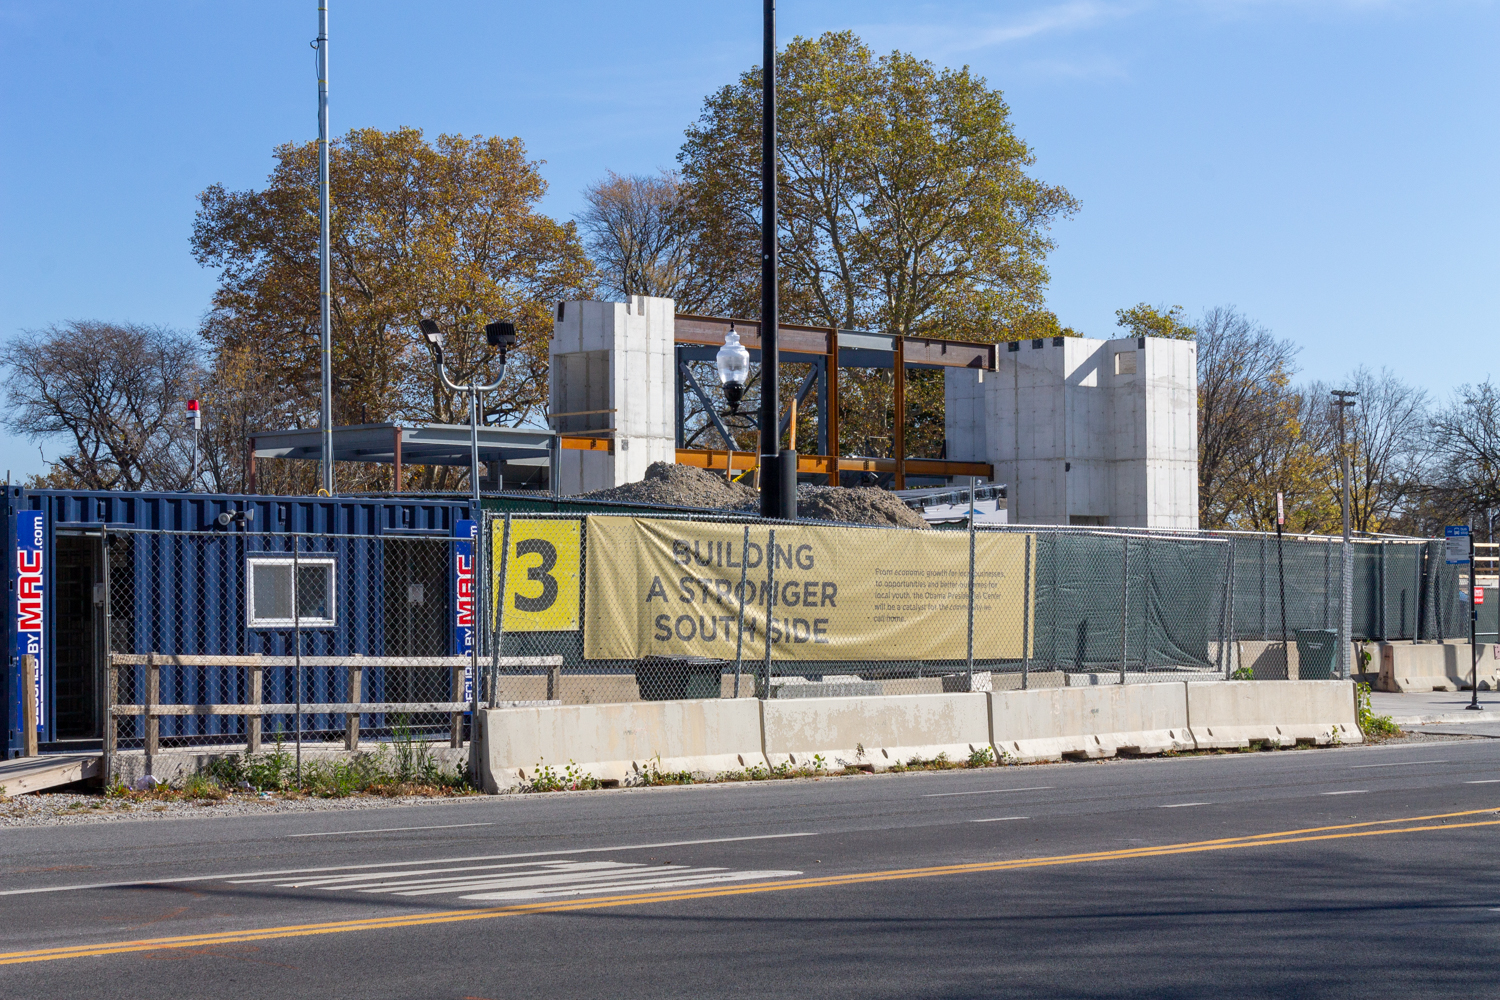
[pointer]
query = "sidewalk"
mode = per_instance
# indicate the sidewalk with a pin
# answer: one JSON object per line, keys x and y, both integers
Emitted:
{"x": 1435, "y": 707}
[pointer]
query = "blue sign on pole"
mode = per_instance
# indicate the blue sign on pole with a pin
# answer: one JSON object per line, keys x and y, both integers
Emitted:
{"x": 1456, "y": 544}
{"x": 463, "y": 588}
{"x": 30, "y": 609}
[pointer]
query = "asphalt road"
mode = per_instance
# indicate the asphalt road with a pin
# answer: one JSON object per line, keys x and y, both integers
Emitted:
{"x": 1353, "y": 872}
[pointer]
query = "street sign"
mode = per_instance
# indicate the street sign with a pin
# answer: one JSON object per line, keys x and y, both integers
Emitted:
{"x": 1456, "y": 549}
{"x": 1478, "y": 595}
{"x": 1280, "y": 511}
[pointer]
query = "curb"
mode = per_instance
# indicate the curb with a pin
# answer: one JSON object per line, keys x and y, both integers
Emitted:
{"x": 1446, "y": 720}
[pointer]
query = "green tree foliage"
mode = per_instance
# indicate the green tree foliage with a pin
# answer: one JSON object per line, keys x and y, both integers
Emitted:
{"x": 905, "y": 207}
{"x": 446, "y": 229}
{"x": 1143, "y": 320}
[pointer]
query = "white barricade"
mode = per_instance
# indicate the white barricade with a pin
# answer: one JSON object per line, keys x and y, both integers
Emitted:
{"x": 615, "y": 743}
{"x": 1234, "y": 713}
{"x": 875, "y": 732}
{"x": 1091, "y": 721}
{"x": 1431, "y": 666}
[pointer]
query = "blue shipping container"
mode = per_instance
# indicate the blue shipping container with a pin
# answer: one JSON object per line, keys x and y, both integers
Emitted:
{"x": 190, "y": 592}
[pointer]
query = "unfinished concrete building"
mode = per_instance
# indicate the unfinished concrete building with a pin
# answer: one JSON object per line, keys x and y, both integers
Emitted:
{"x": 1083, "y": 431}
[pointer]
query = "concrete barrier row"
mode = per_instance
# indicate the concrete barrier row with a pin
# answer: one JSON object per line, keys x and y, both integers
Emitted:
{"x": 1431, "y": 666}
{"x": 617, "y": 743}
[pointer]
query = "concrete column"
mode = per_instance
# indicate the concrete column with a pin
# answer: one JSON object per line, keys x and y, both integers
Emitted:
{"x": 611, "y": 380}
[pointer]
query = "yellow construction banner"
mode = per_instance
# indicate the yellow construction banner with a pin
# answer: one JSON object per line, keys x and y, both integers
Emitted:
{"x": 541, "y": 574}
{"x": 682, "y": 588}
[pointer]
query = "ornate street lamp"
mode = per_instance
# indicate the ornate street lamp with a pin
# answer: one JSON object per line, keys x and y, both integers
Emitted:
{"x": 733, "y": 363}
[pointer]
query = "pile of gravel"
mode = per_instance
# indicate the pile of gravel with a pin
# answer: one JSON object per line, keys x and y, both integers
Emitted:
{"x": 684, "y": 486}
{"x": 864, "y": 505}
{"x": 672, "y": 485}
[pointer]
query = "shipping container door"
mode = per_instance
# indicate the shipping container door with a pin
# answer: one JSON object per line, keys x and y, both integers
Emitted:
{"x": 416, "y": 621}
{"x": 77, "y": 657}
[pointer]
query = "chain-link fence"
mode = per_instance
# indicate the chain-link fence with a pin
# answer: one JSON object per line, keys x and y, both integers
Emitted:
{"x": 245, "y": 639}
{"x": 242, "y": 639}
{"x": 672, "y": 607}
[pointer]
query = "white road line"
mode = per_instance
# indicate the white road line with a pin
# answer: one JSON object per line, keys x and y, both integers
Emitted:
{"x": 988, "y": 791}
{"x": 1184, "y": 805}
{"x": 389, "y": 829}
{"x": 533, "y": 880}
{"x": 399, "y": 864}
{"x": 1485, "y": 781}
{"x": 1399, "y": 763}
{"x": 367, "y": 876}
{"x": 630, "y": 886}
{"x": 997, "y": 819}
{"x": 1351, "y": 791}
{"x": 542, "y": 880}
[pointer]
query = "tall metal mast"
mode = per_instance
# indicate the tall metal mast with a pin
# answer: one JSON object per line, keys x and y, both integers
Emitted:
{"x": 325, "y": 316}
{"x": 770, "y": 402}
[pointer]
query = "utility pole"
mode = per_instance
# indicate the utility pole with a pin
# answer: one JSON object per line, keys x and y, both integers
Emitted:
{"x": 325, "y": 316}
{"x": 197, "y": 415}
{"x": 774, "y": 487}
{"x": 1343, "y": 399}
{"x": 1286, "y": 654}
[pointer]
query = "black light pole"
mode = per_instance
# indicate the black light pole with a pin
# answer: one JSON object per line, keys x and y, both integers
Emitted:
{"x": 778, "y": 483}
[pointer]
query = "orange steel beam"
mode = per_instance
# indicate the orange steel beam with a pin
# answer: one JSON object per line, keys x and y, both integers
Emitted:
{"x": 703, "y": 458}
{"x": 708, "y": 331}
{"x": 588, "y": 444}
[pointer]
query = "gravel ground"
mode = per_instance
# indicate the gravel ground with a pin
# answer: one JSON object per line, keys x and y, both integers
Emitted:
{"x": 73, "y": 808}
{"x": 685, "y": 486}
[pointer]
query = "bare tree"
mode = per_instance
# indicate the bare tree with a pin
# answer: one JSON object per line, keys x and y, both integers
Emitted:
{"x": 118, "y": 391}
{"x": 1465, "y": 442}
{"x": 1243, "y": 377}
{"x": 635, "y": 231}
{"x": 1386, "y": 436}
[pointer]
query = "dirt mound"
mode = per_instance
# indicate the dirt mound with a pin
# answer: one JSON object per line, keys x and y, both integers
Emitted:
{"x": 684, "y": 486}
{"x": 856, "y": 506}
{"x": 679, "y": 486}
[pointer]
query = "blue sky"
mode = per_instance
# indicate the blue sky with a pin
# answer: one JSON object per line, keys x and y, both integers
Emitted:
{"x": 1328, "y": 166}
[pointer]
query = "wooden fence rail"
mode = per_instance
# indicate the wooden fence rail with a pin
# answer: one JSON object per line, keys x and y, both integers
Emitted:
{"x": 254, "y": 708}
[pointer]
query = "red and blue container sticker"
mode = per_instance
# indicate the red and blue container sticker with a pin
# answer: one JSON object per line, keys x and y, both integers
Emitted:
{"x": 30, "y": 608}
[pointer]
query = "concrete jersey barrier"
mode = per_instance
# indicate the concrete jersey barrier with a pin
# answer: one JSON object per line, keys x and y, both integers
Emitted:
{"x": 1407, "y": 667}
{"x": 875, "y": 732}
{"x": 1091, "y": 721}
{"x": 1235, "y": 713}
{"x": 618, "y": 742}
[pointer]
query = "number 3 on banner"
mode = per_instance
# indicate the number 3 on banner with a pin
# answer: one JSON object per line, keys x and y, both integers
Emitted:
{"x": 541, "y": 575}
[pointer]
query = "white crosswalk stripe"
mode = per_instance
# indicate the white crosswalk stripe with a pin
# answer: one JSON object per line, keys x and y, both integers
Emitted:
{"x": 517, "y": 881}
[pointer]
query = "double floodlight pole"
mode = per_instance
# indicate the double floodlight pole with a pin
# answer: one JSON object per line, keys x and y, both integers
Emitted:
{"x": 501, "y": 336}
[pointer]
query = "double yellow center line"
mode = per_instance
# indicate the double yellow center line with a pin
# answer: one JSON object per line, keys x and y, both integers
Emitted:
{"x": 1409, "y": 824}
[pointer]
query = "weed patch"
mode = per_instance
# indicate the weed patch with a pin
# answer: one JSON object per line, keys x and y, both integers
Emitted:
{"x": 544, "y": 778}
{"x": 1372, "y": 725}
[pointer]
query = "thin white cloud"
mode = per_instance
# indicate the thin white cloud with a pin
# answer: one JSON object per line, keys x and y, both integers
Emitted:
{"x": 942, "y": 39}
